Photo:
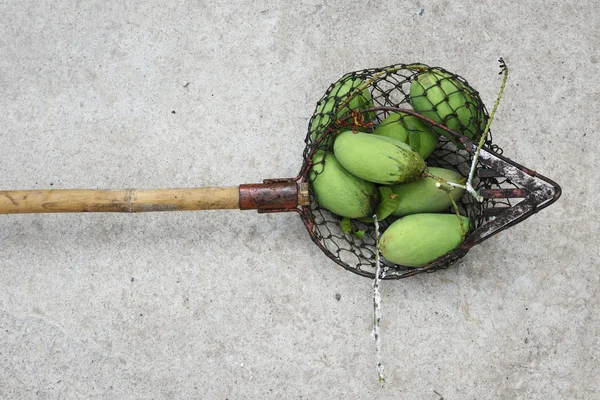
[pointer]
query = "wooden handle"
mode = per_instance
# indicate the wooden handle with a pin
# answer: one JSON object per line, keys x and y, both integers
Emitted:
{"x": 270, "y": 196}
{"x": 130, "y": 200}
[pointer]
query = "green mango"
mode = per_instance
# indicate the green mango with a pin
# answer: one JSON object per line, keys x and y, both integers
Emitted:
{"x": 342, "y": 90}
{"x": 409, "y": 129}
{"x": 378, "y": 159}
{"x": 339, "y": 191}
{"x": 447, "y": 101}
{"x": 423, "y": 196}
{"x": 418, "y": 239}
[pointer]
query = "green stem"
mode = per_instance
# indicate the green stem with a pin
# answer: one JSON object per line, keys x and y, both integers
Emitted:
{"x": 484, "y": 135}
{"x": 443, "y": 181}
{"x": 460, "y": 221}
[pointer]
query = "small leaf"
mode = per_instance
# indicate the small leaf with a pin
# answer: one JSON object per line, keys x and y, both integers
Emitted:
{"x": 384, "y": 192}
{"x": 414, "y": 140}
{"x": 346, "y": 225}
{"x": 359, "y": 234}
{"x": 389, "y": 203}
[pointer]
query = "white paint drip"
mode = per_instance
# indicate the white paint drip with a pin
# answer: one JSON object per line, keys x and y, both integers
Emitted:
{"x": 376, "y": 334}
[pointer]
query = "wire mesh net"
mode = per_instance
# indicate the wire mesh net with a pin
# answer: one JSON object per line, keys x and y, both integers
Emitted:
{"x": 414, "y": 94}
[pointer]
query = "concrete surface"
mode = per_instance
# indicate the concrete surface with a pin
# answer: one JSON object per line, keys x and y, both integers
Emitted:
{"x": 236, "y": 305}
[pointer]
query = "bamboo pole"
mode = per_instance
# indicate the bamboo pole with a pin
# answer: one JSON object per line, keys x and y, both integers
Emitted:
{"x": 128, "y": 200}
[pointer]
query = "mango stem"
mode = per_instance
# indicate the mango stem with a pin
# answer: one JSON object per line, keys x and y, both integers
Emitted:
{"x": 460, "y": 221}
{"x": 443, "y": 181}
{"x": 448, "y": 191}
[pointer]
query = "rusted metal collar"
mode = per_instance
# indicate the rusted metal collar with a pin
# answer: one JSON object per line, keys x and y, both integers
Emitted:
{"x": 274, "y": 195}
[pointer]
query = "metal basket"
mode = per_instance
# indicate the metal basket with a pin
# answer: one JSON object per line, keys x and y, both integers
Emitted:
{"x": 511, "y": 192}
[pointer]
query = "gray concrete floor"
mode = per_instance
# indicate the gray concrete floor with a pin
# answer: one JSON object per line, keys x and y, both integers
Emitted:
{"x": 235, "y": 305}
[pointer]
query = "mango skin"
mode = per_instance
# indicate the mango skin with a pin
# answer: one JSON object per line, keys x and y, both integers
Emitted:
{"x": 378, "y": 159}
{"x": 423, "y": 196}
{"x": 434, "y": 94}
{"x": 337, "y": 96}
{"x": 418, "y": 239}
{"x": 409, "y": 129}
{"x": 339, "y": 191}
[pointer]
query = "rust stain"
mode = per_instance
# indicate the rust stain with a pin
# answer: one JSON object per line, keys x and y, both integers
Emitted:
{"x": 504, "y": 193}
